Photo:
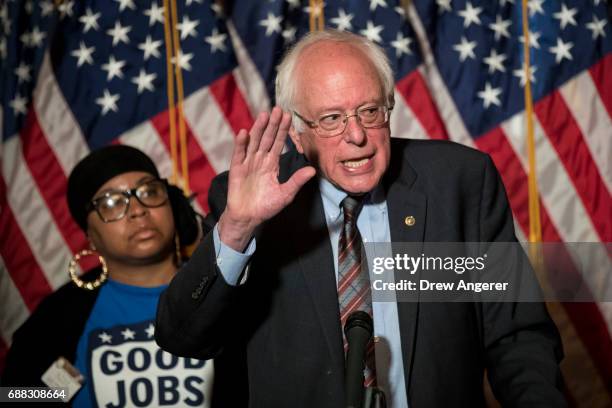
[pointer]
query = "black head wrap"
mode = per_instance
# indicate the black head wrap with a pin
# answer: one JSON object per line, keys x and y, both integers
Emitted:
{"x": 102, "y": 165}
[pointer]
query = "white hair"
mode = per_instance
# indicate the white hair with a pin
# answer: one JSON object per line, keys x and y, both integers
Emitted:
{"x": 286, "y": 88}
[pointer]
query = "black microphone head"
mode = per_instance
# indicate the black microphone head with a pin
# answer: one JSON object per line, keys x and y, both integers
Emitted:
{"x": 359, "y": 318}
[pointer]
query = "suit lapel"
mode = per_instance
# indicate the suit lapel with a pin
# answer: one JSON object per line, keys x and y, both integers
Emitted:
{"x": 312, "y": 244}
{"x": 403, "y": 202}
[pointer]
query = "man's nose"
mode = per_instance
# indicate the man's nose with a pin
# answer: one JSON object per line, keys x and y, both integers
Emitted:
{"x": 354, "y": 132}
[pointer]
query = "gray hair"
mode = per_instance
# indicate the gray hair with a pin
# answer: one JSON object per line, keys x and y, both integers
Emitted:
{"x": 285, "y": 81}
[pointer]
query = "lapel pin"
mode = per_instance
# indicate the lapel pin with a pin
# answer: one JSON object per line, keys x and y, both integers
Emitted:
{"x": 409, "y": 220}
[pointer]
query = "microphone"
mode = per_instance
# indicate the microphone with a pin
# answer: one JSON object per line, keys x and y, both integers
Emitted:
{"x": 358, "y": 331}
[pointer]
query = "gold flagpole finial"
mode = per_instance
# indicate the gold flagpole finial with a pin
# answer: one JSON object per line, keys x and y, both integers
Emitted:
{"x": 316, "y": 17}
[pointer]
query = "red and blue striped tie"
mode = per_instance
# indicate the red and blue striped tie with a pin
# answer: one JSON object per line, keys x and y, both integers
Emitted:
{"x": 354, "y": 291}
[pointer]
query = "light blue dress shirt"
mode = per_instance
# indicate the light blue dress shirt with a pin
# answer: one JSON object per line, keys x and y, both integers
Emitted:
{"x": 373, "y": 224}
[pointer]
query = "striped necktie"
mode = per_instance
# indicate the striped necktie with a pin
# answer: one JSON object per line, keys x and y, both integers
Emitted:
{"x": 354, "y": 291}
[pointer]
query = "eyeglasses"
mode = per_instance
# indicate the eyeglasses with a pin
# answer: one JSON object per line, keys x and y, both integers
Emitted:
{"x": 114, "y": 205}
{"x": 333, "y": 123}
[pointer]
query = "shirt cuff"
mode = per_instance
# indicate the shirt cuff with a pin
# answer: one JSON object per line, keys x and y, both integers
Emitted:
{"x": 232, "y": 263}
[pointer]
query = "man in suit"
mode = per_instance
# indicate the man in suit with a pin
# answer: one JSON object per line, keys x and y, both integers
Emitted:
{"x": 267, "y": 286}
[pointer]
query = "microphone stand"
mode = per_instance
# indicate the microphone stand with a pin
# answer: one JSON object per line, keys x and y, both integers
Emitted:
{"x": 374, "y": 398}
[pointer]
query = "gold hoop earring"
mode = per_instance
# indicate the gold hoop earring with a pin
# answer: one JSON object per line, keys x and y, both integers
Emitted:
{"x": 177, "y": 250}
{"x": 72, "y": 267}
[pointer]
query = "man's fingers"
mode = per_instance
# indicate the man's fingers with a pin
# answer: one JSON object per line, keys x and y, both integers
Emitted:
{"x": 270, "y": 132}
{"x": 239, "y": 152}
{"x": 297, "y": 180}
{"x": 281, "y": 136}
{"x": 257, "y": 131}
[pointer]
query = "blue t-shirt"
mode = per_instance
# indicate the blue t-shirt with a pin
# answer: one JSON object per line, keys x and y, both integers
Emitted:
{"x": 122, "y": 364}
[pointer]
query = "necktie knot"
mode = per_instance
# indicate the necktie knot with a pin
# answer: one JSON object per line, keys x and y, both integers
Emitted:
{"x": 351, "y": 206}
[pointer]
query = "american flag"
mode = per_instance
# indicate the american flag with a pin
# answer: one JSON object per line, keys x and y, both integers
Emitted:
{"x": 80, "y": 75}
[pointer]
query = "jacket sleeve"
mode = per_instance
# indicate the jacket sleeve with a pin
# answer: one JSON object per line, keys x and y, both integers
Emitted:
{"x": 522, "y": 344}
{"x": 195, "y": 314}
{"x": 53, "y": 330}
{"x": 25, "y": 363}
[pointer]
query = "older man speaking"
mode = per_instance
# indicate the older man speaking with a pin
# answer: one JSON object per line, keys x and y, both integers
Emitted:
{"x": 280, "y": 268}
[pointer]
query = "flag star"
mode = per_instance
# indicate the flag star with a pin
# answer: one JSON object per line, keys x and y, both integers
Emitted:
{"x": 90, "y": 20}
{"x": 343, "y": 21}
{"x": 83, "y": 54}
{"x": 23, "y": 72}
{"x": 217, "y": 9}
{"x": 376, "y": 3}
{"x": 150, "y": 47}
{"x": 187, "y": 27}
{"x": 144, "y": 81}
{"x": 108, "y": 102}
{"x": 401, "y": 11}
{"x": 562, "y": 50}
{"x": 495, "y": 62}
{"x": 293, "y": 4}
{"x": 3, "y": 48}
{"x": 37, "y": 37}
{"x": 191, "y": 1}
{"x": 29, "y": 6}
{"x": 500, "y": 27}
{"x": 535, "y": 6}
{"x": 150, "y": 330}
{"x": 520, "y": 74}
{"x": 444, "y": 5}
{"x": 597, "y": 27}
{"x": 46, "y": 7}
{"x": 119, "y": 33}
{"x": 113, "y": 67}
{"x": 533, "y": 39}
{"x": 26, "y": 39}
{"x": 372, "y": 32}
{"x": 123, "y": 4}
{"x": 19, "y": 104}
{"x": 183, "y": 60}
{"x": 401, "y": 45}
{"x": 216, "y": 41}
{"x": 470, "y": 15}
{"x": 105, "y": 337}
{"x": 289, "y": 34}
{"x": 490, "y": 96}
{"x": 566, "y": 16}
{"x": 65, "y": 8}
{"x": 128, "y": 334}
{"x": 155, "y": 14}
{"x": 465, "y": 49}
{"x": 4, "y": 12}
{"x": 272, "y": 24}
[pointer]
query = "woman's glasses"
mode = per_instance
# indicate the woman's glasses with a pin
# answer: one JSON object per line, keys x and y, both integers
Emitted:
{"x": 114, "y": 205}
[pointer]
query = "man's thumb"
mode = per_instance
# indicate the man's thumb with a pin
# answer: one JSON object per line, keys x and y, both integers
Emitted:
{"x": 298, "y": 179}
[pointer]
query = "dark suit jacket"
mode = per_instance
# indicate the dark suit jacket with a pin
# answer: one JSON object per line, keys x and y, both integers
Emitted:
{"x": 283, "y": 323}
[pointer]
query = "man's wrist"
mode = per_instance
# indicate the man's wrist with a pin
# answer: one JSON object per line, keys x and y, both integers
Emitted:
{"x": 235, "y": 234}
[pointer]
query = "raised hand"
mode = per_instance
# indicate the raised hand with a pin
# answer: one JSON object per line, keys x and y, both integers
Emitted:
{"x": 254, "y": 193}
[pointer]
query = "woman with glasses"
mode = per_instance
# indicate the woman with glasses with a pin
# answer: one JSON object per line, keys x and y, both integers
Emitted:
{"x": 94, "y": 336}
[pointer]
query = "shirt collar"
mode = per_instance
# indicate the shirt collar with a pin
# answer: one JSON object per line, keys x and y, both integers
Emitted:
{"x": 333, "y": 196}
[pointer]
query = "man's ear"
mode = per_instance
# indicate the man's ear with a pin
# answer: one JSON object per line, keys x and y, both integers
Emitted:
{"x": 296, "y": 138}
